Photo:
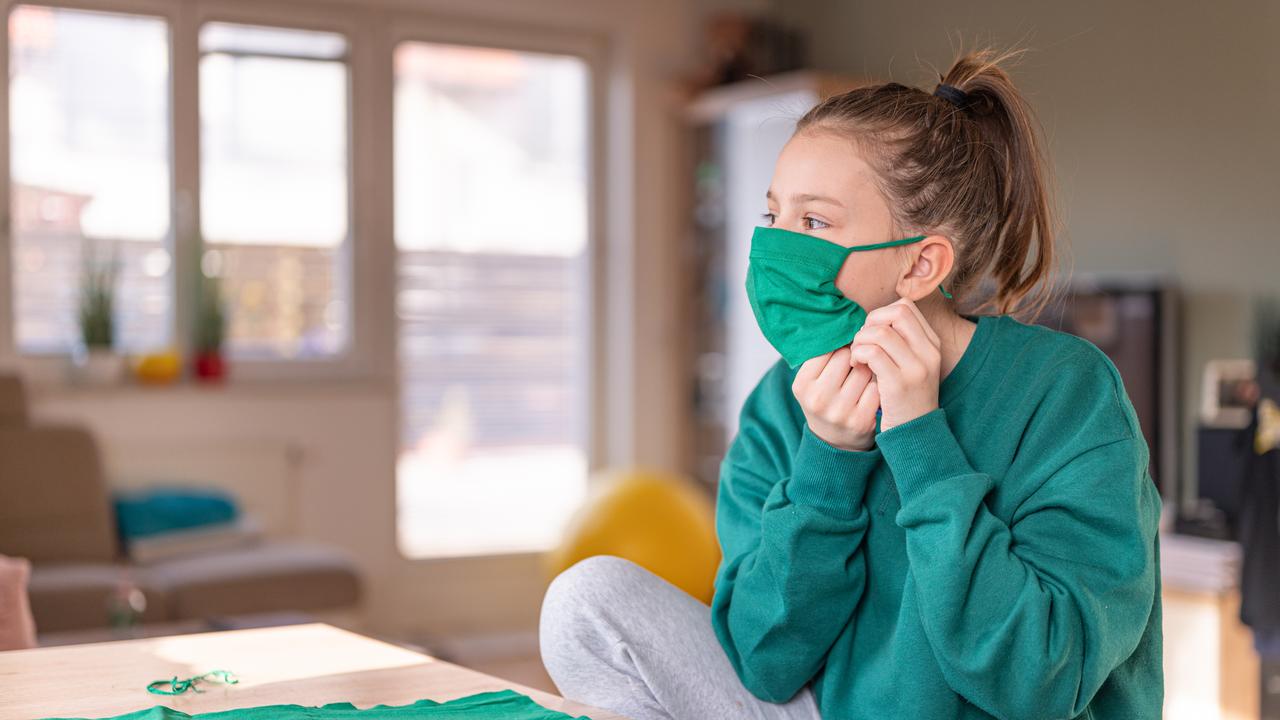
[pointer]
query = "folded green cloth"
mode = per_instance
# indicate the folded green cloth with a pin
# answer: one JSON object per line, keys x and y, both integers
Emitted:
{"x": 504, "y": 704}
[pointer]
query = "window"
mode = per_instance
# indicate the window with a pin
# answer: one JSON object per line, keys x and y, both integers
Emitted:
{"x": 491, "y": 217}
{"x": 90, "y": 173}
{"x": 275, "y": 208}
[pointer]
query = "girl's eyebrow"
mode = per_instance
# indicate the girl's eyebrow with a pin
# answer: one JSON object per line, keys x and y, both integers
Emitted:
{"x": 806, "y": 197}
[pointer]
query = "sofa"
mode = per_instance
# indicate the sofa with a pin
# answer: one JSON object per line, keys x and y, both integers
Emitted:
{"x": 56, "y": 511}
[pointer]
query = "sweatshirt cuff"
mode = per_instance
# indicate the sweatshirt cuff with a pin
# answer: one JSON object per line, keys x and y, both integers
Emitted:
{"x": 922, "y": 451}
{"x": 830, "y": 478}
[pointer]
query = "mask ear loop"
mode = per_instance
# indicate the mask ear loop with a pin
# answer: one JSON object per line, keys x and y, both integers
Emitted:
{"x": 894, "y": 243}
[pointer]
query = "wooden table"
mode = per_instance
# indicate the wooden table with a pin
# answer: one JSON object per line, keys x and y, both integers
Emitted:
{"x": 310, "y": 664}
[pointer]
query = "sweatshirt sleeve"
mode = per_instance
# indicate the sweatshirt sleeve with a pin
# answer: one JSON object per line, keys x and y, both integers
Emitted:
{"x": 792, "y": 569}
{"x": 1063, "y": 593}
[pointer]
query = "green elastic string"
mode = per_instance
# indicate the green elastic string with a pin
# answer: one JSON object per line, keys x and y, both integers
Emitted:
{"x": 892, "y": 243}
{"x": 177, "y": 687}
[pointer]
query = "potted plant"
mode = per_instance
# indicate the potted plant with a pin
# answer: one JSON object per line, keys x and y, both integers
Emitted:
{"x": 211, "y": 323}
{"x": 99, "y": 363}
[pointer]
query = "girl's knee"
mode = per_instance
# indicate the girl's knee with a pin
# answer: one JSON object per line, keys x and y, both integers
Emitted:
{"x": 575, "y": 604}
{"x": 594, "y": 577}
{"x": 591, "y": 587}
{"x": 582, "y": 583}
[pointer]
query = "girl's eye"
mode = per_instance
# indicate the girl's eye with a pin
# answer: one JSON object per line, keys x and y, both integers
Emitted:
{"x": 770, "y": 218}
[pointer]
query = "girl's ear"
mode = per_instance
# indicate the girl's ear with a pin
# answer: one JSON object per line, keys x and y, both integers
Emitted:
{"x": 933, "y": 258}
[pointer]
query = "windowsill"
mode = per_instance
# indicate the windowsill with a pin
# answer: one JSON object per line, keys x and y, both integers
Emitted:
{"x": 237, "y": 388}
{"x": 52, "y": 376}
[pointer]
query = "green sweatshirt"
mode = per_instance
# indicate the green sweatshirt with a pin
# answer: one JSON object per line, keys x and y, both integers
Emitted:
{"x": 995, "y": 557}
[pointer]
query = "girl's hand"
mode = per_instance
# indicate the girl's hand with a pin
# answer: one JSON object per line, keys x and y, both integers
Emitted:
{"x": 839, "y": 398}
{"x": 905, "y": 354}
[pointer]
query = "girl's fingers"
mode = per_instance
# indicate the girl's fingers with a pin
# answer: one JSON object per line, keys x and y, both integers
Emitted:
{"x": 881, "y": 364}
{"x": 854, "y": 384}
{"x": 837, "y": 369}
{"x": 903, "y": 355}
{"x": 924, "y": 324}
{"x": 810, "y": 369}
{"x": 913, "y": 333}
{"x": 868, "y": 403}
{"x": 903, "y": 318}
{"x": 852, "y": 398}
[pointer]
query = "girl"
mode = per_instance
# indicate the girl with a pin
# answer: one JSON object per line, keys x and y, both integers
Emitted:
{"x": 925, "y": 513}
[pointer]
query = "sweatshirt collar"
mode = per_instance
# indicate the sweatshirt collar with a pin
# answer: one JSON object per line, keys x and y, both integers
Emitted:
{"x": 975, "y": 354}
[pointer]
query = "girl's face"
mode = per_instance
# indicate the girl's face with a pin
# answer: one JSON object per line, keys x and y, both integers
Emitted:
{"x": 823, "y": 187}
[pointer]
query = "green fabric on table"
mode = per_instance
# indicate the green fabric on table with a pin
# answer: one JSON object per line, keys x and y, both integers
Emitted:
{"x": 505, "y": 704}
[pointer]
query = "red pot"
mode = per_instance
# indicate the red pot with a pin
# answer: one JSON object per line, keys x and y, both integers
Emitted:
{"x": 210, "y": 366}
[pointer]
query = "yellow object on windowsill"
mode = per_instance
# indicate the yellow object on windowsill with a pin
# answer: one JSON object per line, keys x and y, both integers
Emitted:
{"x": 162, "y": 368}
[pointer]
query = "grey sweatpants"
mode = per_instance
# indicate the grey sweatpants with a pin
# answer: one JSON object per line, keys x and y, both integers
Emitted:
{"x": 616, "y": 636}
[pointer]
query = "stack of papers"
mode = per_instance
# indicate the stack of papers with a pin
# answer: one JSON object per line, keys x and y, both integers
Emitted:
{"x": 1199, "y": 564}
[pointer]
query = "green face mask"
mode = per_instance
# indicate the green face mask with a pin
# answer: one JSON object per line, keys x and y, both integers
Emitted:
{"x": 791, "y": 284}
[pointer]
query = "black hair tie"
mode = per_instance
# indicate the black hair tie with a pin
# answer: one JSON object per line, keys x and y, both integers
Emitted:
{"x": 953, "y": 95}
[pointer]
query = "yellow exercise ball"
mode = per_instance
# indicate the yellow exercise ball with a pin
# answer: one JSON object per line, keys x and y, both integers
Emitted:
{"x": 658, "y": 520}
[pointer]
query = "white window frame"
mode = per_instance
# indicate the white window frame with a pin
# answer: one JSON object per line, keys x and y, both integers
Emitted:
{"x": 49, "y": 368}
{"x": 373, "y": 29}
{"x": 358, "y": 359}
{"x": 354, "y": 358}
